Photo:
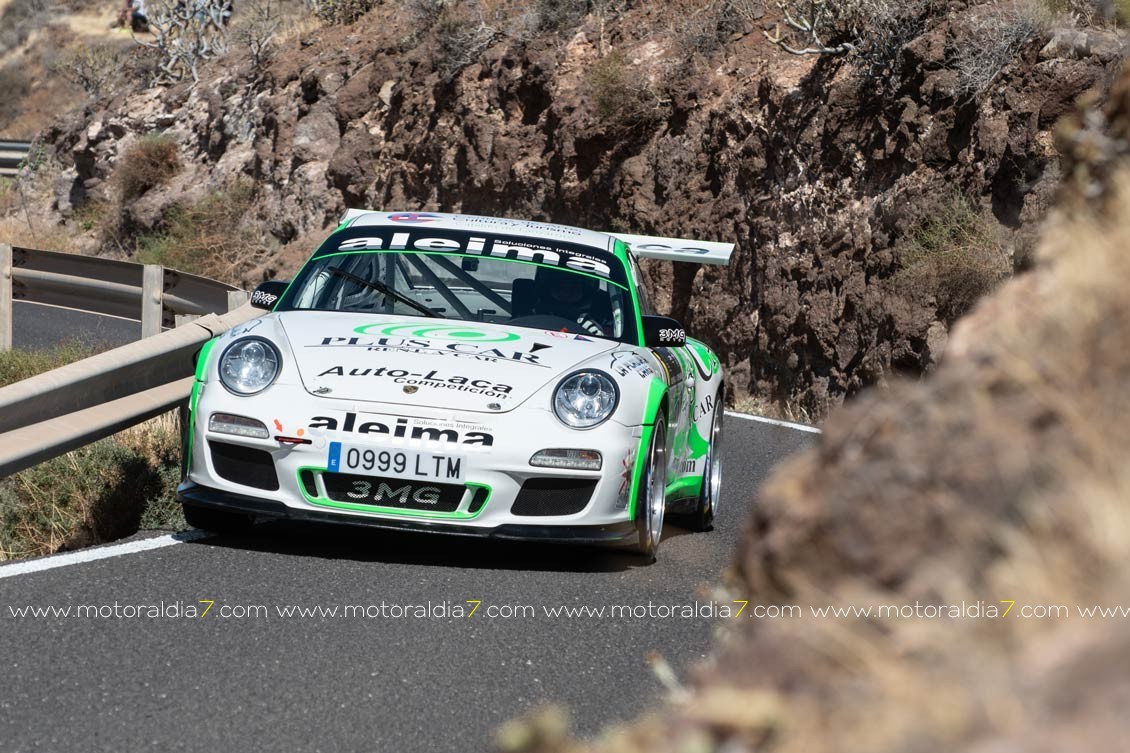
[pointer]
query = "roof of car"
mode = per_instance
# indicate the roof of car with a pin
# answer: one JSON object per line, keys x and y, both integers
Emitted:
{"x": 469, "y": 222}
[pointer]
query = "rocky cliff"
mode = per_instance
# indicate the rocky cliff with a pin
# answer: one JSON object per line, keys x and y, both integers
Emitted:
{"x": 986, "y": 508}
{"x": 818, "y": 167}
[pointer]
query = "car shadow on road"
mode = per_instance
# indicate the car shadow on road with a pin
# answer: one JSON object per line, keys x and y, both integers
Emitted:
{"x": 327, "y": 541}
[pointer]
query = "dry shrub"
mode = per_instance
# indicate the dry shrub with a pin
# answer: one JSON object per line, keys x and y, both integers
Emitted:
{"x": 993, "y": 35}
{"x": 463, "y": 32}
{"x": 1089, "y": 12}
{"x": 19, "y": 19}
{"x": 149, "y": 162}
{"x": 955, "y": 256}
{"x": 14, "y": 83}
{"x": 622, "y": 95}
{"x": 699, "y": 29}
{"x": 341, "y": 12}
{"x": 95, "y": 67}
{"x": 207, "y": 238}
{"x": 102, "y": 492}
{"x": 98, "y": 493}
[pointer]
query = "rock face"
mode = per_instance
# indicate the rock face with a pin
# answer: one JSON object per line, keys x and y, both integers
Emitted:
{"x": 961, "y": 524}
{"x": 813, "y": 169}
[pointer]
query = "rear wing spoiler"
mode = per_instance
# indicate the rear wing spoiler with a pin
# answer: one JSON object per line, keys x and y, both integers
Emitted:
{"x": 677, "y": 249}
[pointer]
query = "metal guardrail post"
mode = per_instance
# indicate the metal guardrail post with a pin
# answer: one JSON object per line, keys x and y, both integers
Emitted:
{"x": 152, "y": 299}
{"x": 5, "y": 297}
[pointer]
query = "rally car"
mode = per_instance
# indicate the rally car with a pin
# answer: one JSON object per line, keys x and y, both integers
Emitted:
{"x": 461, "y": 374}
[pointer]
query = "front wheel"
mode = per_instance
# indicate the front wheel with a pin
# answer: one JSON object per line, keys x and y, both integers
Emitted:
{"x": 651, "y": 495}
{"x": 707, "y": 507}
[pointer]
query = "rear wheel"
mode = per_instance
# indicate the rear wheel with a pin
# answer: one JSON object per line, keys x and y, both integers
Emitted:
{"x": 707, "y": 508}
{"x": 216, "y": 521}
{"x": 651, "y": 496}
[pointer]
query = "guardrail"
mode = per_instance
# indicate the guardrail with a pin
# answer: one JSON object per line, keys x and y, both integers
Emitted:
{"x": 12, "y": 155}
{"x": 60, "y": 410}
{"x": 150, "y": 293}
{"x": 79, "y": 403}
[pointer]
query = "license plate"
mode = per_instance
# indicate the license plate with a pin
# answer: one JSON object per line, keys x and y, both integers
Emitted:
{"x": 396, "y": 463}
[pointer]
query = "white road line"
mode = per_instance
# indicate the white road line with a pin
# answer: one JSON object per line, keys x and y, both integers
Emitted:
{"x": 98, "y": 553}
{"x": 775, "y": 422}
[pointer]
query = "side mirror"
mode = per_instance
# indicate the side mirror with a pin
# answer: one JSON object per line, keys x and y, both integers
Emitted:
{"x": 663, "y": 332}
{"x": 268, "y": 294}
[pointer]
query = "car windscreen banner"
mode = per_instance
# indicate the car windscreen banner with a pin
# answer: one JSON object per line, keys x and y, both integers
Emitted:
{"x": 548, "y": 253}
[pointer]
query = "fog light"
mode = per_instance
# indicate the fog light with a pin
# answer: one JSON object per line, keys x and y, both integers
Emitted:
{"x": 240, "y": 426}
{"x": 580, "y": 460}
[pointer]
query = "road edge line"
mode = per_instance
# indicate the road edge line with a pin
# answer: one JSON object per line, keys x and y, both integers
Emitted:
{"x": 97, "y": 553}
{"x": 774, "y": 422}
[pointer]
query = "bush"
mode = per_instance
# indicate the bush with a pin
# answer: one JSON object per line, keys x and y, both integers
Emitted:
{"x": 98, "y": 493}
{"x": 151, "y": 161}
{"x": 1090, "y": 12}
{"x": 621, "y": 95}
{"x": 17, "y": 365}
{"x": 19, "y": 19}
{"x": 95, "y": 68}
{"x": 14, "y": 83}
{"x": 102, "y": 492}
{"x": 994, "y": 35}
{"x": 700, "y": 29}
{"x": 463, "y": 34}
{"x": 340, "y": 12}
{"x": 206, "y": 238}
{"x": 955, "y": 256}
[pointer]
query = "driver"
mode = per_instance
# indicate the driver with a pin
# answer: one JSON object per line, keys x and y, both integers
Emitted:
{"x": 575, "y": 297}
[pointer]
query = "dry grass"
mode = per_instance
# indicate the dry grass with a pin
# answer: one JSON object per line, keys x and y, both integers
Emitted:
{"x": 207, "y": 238}
{"x": 622, "y": 94}
{"x": 759, "y": 405}
{"x": 149, "y": 162}
{"x": 955, "y": 256}
{"x": 101, "y": 492}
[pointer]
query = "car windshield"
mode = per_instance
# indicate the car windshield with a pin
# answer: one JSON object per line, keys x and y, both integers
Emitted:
{"x": 468, "y": 277}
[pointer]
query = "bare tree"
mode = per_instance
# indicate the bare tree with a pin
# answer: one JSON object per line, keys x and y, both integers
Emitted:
{"x": 186, "y": 33}
{"x": 256, "y": 33}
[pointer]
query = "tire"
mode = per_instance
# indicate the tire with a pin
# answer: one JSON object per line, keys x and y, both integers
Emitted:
{"x": 651, "y": 496}
{"x": 702, "y": 519}
{"x": 216, "y": 521}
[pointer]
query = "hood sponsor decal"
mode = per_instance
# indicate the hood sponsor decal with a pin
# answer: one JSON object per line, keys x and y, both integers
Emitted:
{"x": 251, "y": 326}
{"x": 625, "y": 362}
{"x": 406, "y": 430}
{"x": 433, "y": 378}
{"x": 476, "y": 351}
{"x": 444, "y": 333}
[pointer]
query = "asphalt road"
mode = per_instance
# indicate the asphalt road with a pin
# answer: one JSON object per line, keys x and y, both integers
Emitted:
{"x": 39, "y": 327}
{"x": 326, "y": 683}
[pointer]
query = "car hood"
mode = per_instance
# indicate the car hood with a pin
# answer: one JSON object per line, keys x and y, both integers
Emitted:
{"x": 466, "y": 366}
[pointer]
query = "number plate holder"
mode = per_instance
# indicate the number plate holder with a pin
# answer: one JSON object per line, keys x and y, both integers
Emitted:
{"x": 393, "y": 462}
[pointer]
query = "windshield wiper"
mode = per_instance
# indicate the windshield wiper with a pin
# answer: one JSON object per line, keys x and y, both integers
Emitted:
{"x": 385, "y": 290}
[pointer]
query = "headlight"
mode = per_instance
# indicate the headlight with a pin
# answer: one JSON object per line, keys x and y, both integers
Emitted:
{"x": 585, "y": 399}
{"x": 249, "y": 365}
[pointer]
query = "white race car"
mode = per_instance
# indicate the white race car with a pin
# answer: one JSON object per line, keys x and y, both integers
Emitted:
{"x": 467, "y": 375}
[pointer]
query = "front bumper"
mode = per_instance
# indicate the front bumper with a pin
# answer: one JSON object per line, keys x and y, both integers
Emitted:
{"x": 495, "y": 475}
{"x": 203, "y": 496}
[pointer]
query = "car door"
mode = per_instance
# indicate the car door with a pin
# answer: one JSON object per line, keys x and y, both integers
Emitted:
{"x": 681, "y": 394}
